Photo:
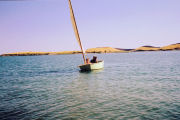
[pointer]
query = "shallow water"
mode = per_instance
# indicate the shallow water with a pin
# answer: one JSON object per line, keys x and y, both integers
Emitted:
{"x": 140, "y": 85}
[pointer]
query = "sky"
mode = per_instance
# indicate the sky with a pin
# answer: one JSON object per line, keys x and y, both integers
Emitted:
{"x": 45, "y": 25}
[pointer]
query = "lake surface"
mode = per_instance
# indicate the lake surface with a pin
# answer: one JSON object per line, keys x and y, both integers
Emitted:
{"x": 139, "y": 85}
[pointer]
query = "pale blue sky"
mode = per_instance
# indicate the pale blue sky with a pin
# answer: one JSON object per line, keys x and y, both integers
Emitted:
{"x": 44, "y": 25}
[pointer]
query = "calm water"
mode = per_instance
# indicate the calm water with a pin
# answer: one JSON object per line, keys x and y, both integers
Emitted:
{"x": 142, "y": 86}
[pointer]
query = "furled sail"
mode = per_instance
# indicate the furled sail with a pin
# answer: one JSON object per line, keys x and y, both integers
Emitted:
{"x": 76, "y": 29}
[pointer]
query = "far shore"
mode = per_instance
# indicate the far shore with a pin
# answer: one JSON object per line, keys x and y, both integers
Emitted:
{"x": 100, "y": 50}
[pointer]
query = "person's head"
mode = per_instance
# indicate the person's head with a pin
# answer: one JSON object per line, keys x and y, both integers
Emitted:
{"x": 87, "y": 60}
{"x": 94, "y": 57}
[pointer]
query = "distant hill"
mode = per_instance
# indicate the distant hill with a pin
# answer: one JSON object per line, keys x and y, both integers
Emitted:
{"x": 40, "y": 53}
{"x": 146, "y": 48}
{"x": 25, "y": 54}
{"x": 100, "y": 50}
{"x": 124, "y": 49}
{"x": 171, "y": 47}
{"x": 104, "y": 50}
{"x": 152, "y": 48}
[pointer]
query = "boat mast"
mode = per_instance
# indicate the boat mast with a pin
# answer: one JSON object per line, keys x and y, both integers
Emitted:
{"x": 76, "y": 29}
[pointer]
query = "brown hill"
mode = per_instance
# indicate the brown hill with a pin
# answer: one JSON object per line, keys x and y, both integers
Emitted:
{"x": 103, "y": 50}
{"x": 146, "y": 48}
{"x": 99, "y": 50}
{"x": 171, "y": 47}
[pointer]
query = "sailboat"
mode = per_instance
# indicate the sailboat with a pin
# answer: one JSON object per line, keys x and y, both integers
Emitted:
{"x": 87, "y": 66}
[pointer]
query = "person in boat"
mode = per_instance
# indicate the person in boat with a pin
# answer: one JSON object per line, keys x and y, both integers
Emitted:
{"x": 94, "y": 60}
{"x": 87, "y": 61}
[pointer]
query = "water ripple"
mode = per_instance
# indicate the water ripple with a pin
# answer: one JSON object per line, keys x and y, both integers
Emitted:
{"x": 131, "y": 86}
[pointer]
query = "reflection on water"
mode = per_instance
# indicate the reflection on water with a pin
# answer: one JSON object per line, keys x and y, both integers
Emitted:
{"x": 94, "y": 71}
{"x": 131, "y": 86}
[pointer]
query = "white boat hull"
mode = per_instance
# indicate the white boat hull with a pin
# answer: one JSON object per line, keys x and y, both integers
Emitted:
{"x": 92, "y": 66}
